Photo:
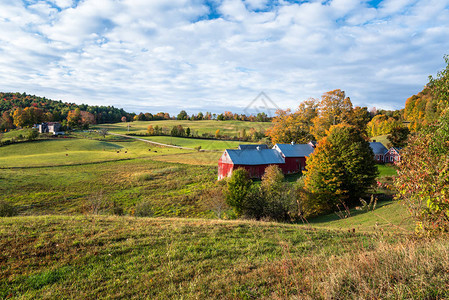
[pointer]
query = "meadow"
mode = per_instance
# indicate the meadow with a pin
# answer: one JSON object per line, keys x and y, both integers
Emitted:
{"x": 89, "y": 257}
{"x": 228, "y": 128}
{"x": 78, "y": 234}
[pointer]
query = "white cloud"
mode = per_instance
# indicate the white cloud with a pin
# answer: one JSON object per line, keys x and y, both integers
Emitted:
{"x": 167, "y": 55}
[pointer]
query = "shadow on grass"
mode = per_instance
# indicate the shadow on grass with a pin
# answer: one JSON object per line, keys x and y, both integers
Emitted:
{"x": 354, "y": 212}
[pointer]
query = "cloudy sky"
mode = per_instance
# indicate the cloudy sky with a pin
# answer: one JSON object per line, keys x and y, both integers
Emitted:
{"x": 212, "y": 55}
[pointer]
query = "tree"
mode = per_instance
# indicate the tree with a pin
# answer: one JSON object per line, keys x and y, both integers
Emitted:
{"x": 340, "y": 170}
{"x": 398, "y": 136}
{"x": 6, "y": 121}
{"x": 188, "y": 131}
{"x": 238, "y": 188}
{"x": 276, "y": 194}
{"x": 423, "y": 176}
{"x": 150, "y": 130}
{"x": 80, "y": 119}
{"x": 334, "y": 108}
{"x": 123, "y": 119}
{"x": 382, "y": 125}
{"x": 287, "y": 127}
{"x": 182, "y": 115}
{"x": 360, "y": 117}
{"x": 440, "y": 87}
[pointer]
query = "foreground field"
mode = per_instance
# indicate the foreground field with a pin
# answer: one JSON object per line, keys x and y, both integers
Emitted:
{"x": 125, "y": 257}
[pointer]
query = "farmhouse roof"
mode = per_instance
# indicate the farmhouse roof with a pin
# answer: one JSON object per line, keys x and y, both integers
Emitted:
{"x": 378, "y": 148}
{"x": 252, "y": 146}
{"x": 295, "y": 150}
{"x": 255, "y": 157}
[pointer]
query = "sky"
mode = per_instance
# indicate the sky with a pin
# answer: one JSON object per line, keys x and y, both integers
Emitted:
{"x": 217, "y": 55}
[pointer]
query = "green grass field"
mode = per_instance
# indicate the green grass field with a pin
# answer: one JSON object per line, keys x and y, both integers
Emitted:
{"x": 192, "y": 143}
{"x": 67, "y": 243}
{"x": 229, "y": 128}
{"x": 88, "y": 257}
{"x": 76, "y": 151}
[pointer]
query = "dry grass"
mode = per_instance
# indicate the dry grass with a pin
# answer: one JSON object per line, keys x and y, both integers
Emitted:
{"x": 125, "y": 257}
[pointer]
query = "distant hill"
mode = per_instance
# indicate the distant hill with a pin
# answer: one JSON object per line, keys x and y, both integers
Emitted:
{"x": 59, "y": 110}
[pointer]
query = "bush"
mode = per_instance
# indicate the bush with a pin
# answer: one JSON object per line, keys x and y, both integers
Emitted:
{"x": 237, "y": 190}
{"x": 144, "y": 209}
{"x": 7, "y": 210}
{"x": 423, "y": 177}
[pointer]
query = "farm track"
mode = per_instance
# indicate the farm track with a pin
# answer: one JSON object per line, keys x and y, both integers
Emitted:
{"x": 159, "y": 144}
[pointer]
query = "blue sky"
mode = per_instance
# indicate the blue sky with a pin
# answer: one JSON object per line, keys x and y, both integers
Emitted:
{"x": 216, "y": 55}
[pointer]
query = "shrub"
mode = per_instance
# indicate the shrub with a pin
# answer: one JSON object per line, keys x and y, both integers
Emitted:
{"x": 144, "y": 209}
{"x": 7, "y": 210}
{"x": 238, "y": 187}
{"x": 423, "y": 177}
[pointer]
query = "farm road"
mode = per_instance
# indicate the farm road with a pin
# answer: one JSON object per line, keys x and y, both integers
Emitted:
{"x": 150, "y": 142}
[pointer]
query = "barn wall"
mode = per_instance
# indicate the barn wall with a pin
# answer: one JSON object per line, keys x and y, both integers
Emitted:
{"x": 293, "y": 164}
{"x": 224, "y": 169}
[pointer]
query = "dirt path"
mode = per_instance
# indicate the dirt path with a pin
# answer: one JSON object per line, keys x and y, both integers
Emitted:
{"x": 150, "y": 142}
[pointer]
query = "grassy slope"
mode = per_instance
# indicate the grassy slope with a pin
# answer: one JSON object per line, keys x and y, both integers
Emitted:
{"x": 192, "y": 143}
{"x": 92, "y": 257}
{"x": 230, "y": 128}
{"x": 75, "y": 151}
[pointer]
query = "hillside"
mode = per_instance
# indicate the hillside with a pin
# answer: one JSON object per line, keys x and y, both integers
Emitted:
{"x": 58, "y": 109}
{"x": 125, "y": 257}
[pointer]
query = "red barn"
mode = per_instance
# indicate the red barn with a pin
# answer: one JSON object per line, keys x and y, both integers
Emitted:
{"x": 295, "y": 156}
{"x": 291, "y": 158}
{"x": 253, "y": 160}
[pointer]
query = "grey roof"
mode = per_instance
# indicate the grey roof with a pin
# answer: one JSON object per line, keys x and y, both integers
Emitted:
{"x": 252, "y": 146}
{"x": 255, "y": 157}
{"x": 378, "y": 148}
{"x": 295, "y": 150}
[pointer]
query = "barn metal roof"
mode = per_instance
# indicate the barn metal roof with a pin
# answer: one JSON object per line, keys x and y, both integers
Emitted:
{"x": 255, "y": 157}
{"x": 295, "y": 150}
{"x": 252, "y": 146}
{"x": 378, "y": 148}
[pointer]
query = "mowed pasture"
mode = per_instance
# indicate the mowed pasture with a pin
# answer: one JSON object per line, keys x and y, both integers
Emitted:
{"x": 76, "y": 151}
{"x": 228, "y": 128}
{"x": 205, "y": 144}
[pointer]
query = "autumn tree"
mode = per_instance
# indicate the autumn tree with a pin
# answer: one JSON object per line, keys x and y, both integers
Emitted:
{"x": 334, "y": 108}
{"x": 340, "y": 170}
{"x": 439, "y": 87}
{"x": 423, "y": 176}
{"x": 382, "y": 125}
{"x": 80, "y": 119}
{"x": 6, "y": 122}
{"x": 150, "y": 130}
{"x": 360, "y": 117}
{"x": 123, "y": 119}
{"x": 287, "y": 127}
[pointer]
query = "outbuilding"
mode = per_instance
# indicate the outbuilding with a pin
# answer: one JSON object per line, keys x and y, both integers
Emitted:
{"x": 295, "y": 156}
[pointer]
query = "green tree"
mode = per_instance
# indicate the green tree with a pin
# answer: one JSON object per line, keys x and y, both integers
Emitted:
{"x": 238, "y": 188}
{"x": 277, "y": 194}
{"x": 340, "y": 170}
{"x": 182, "y": 115}
{"x": 398, "y": 136}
